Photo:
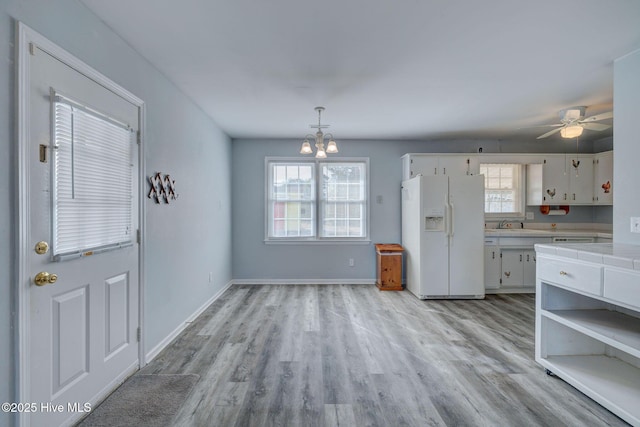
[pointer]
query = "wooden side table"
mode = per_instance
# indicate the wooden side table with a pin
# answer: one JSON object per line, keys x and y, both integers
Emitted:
{"x": 389, "y": 260}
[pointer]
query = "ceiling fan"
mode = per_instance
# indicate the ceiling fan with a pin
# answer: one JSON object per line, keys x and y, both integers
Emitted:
{"x": 573, "y": 122}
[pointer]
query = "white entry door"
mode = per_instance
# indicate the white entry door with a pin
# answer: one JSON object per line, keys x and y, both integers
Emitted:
{"x": 83, "y": 316}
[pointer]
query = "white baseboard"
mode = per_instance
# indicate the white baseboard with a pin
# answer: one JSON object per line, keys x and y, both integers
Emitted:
{"x": 525, "y": 290}
{"x": 304, "y": 281}
{"x": 167, "y": 340}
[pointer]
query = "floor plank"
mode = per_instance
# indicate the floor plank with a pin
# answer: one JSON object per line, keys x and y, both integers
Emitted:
{"x": 350, "y": 355}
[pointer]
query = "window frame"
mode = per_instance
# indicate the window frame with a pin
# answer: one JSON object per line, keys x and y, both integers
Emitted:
{"x": 316, "y": 201}
{"x": 521, "y": 205}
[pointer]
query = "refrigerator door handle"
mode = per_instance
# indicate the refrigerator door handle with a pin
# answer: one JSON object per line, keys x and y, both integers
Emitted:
{"x": 446, "y": 223}
{"x": 452, "y": 223}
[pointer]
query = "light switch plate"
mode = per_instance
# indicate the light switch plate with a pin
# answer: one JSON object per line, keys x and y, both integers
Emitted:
{"x": 635, "y": 224}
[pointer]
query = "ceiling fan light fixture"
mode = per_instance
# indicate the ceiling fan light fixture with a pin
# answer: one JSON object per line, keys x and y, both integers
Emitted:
{"x": 571, "y": 131}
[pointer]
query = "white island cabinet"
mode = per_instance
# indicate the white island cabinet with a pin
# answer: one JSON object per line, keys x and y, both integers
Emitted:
{"x": 588, "y": 321}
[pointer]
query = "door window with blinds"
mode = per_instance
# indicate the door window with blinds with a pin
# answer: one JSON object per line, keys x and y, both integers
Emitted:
{"x": 317, "y": 200}
{"x": 92, "y": 181}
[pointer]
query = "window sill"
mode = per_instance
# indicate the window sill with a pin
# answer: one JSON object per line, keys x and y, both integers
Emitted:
{"x": 318, "y": 242}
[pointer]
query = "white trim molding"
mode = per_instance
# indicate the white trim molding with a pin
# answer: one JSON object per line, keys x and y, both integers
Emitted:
{"x": 173, "y": 334}
{"x": 304, "y": 281}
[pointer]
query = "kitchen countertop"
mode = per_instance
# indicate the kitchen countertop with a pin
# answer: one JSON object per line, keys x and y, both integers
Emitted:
{"x": 534, "y": 232}
{"x": 612, "y": 254}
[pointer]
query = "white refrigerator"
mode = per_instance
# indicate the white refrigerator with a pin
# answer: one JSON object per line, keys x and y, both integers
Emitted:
{"x": 443, "y": 236}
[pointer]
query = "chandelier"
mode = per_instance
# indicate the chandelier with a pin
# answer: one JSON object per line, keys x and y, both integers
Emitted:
{"x": 321, "y": 153}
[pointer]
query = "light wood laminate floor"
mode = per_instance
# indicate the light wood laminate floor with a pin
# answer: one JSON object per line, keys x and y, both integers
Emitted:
{"x": 350, "y": 355}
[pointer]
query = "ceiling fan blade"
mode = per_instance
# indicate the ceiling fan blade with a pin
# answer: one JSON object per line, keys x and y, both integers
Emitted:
{"x": 543, "y": 126}
{"x": 597, "y": 117}
{"x": 544, "y": 135}
{"x": 595, "y": 126}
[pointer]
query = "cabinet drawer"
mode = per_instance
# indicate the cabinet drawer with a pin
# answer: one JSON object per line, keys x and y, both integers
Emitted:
{"x": 576, "y": 275}
{"x": 623, "y": 286}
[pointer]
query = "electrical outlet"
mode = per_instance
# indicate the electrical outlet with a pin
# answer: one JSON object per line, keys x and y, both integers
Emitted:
{"x": 351, "y": 262}
{"x": 635, "y": 224}
{"x": 529, "y": 215}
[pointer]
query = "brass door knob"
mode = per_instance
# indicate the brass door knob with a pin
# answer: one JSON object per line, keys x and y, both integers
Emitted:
{"x": 44, "y": 278}
{"x": 42, "y": 248}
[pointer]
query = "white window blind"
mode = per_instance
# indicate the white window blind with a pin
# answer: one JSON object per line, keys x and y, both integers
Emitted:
{"x": 92, "y": 181}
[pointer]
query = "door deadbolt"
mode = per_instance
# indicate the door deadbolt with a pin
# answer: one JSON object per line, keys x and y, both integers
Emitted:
{"x": 44, "y": 278}
{"x": 42, "y": 248}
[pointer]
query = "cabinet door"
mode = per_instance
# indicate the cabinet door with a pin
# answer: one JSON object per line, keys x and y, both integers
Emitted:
{"x": 512, "y": 268}
{"x": 580, "y": 171}
{"x": 603, "y": 181}
{"x": 529, "y": 268}
{"x": 491, "y": 267}
{"x": 423, "y": 164}
{"x": 458, "y": 165}
{"x": 555, "y": 182}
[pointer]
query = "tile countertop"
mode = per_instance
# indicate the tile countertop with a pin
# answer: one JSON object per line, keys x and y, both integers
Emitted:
{"x": 534, "y": 232}
{"x": 612, "y": 254}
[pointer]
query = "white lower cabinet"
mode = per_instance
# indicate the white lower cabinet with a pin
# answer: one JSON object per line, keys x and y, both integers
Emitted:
{"x": 588, "y": 326}
{"x": 492, "y": 270}
{"x": 518, "y": 267}
{"x": 510, "y": 264}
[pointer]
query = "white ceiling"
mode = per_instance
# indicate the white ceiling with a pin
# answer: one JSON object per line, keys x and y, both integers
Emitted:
{"x": 384, "y": 69}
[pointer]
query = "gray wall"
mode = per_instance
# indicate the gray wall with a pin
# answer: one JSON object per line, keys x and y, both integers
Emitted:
{"x": 626, "y": 173}
{"x": 185, "y": 240}
{"x": 254, "y": 260}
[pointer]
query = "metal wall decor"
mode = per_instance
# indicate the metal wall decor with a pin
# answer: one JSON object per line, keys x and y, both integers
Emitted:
{"x": 163, "y": 189}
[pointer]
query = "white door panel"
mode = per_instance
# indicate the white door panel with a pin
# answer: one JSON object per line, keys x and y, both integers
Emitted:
{"x": 434, "y": 250}
{"x": 82, "y": 327}
{"x": 117, "y": 322}
{"x": 466, "y": 252}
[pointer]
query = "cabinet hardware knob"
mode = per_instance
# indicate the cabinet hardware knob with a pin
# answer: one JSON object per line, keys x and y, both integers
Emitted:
{"x": 563, "y": 273}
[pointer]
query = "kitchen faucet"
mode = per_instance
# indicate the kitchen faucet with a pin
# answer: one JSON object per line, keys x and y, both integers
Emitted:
{"x": 502, "y": 223}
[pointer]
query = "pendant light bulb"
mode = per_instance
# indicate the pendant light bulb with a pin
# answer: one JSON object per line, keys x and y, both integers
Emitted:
{"x": 332, "y": 147}
{"x": 306, "y": 147}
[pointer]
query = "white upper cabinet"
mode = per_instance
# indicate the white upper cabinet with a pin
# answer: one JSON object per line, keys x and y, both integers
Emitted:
{"x": 561, "y": 180}
{"x": 433, "y": 164}
{"x": 603, "y": 178}
{"x": 547, "y": 182}
{"x": 416, "y": 164}
{"x": 580, "y": 171}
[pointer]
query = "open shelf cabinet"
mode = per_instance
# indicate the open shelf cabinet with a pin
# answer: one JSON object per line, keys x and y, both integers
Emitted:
{"x": 590, "y": 341}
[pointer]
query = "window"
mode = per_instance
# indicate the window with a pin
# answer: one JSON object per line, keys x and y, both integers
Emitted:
{"x": 317, "y": 200}
{"x": 503, "y": 194}
{"x": 92, "y": 181}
